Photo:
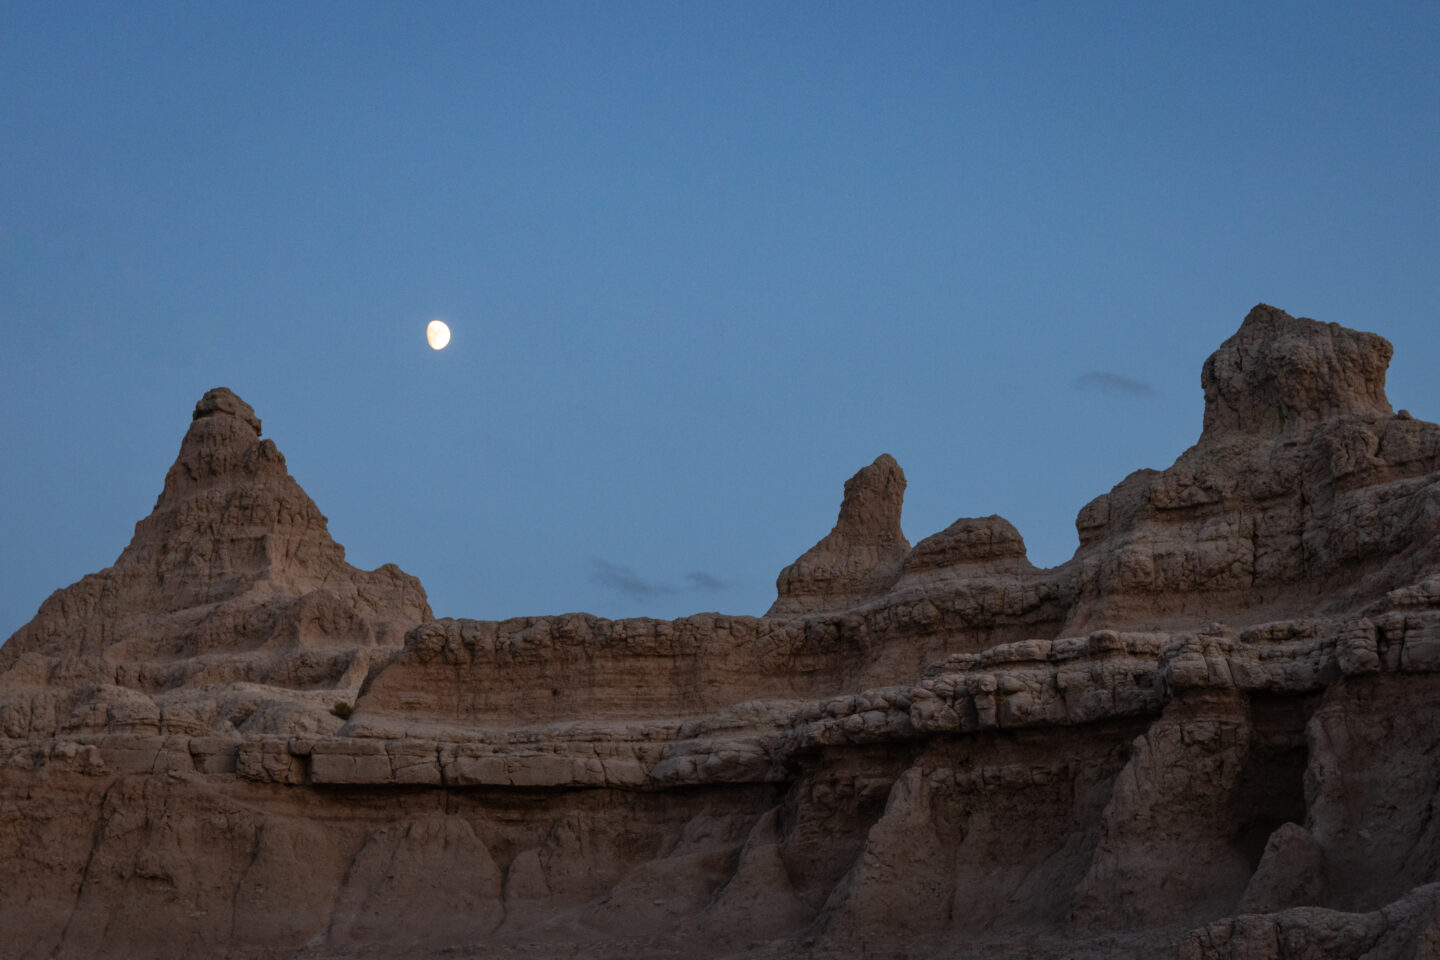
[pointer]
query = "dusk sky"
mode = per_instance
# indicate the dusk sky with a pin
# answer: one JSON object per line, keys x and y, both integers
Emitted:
{"x": 701, "y": 261}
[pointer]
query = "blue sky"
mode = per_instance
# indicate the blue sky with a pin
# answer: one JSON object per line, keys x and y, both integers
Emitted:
{"x": 702, "y": 262}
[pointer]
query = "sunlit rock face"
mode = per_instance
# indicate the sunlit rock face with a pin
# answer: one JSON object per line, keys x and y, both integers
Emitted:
{"x": 1213, "y": 733}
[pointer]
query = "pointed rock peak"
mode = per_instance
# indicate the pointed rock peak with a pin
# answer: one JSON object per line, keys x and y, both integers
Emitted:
{"x": 1279, "y": 373}
{"x": 234, "y": 555}
{"x": 230, "y": 515}
{"x": 222, "y": 447}
{"x": 873, "y": 498}
{"x": 222, "y": 401}
{"x": 861, "y": 557}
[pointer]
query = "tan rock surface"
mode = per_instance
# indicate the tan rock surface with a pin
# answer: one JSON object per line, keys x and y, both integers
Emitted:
{"x": 1213, "y": 733}
{"x": 861, "y": 557}
{"x": 231, "y": 609}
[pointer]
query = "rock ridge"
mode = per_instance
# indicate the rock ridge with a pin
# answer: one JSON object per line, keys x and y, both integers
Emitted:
{"x": 1213, "y": 733}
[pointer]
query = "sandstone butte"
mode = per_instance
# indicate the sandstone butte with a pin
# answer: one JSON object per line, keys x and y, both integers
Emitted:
{"x": 1213, "y": 733}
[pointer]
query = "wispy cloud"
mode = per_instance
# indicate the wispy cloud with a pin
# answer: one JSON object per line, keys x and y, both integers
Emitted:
{"x": 705, "y": 581}
{"x": 1113, "y": 384}
{"x": 627, "y": 581}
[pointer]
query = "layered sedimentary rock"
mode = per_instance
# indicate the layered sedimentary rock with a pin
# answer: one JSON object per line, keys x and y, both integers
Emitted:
{"x": 232, "y": 607}
{"x": 1214, "y": 733}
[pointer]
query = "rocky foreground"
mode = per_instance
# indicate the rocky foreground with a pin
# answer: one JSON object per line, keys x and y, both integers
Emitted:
{"x": 1213, "y": 733}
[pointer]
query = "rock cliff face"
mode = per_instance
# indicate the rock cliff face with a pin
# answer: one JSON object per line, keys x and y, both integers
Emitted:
{"x": 1214, "y": 734}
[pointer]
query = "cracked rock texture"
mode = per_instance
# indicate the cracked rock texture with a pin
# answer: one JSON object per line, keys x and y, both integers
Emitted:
{"x": 861, "y": 557}
{"x": 1213, "y": 734}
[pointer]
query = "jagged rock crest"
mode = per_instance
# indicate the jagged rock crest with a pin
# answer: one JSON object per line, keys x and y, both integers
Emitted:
{"x": 1213, "y": 734}
{"x": 233, "y": 557}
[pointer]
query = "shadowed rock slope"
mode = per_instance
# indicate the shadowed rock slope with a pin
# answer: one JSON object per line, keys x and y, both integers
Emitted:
{"x": 1213, "y": 733}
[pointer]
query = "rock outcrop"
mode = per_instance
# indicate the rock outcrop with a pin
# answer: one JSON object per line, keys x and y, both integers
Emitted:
{"x": 861, "y": 557}
{"x": 1279, "y": 375}
{"x": 232, "y": 579}
{"x": 1213, "y": 733}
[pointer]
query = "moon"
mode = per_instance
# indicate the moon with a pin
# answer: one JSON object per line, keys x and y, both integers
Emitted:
{"x": 437, "y": 334}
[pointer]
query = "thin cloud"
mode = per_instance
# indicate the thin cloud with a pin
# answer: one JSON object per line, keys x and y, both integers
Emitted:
{"x": 626, "y": 580}
{"x": 1113, "y": 384}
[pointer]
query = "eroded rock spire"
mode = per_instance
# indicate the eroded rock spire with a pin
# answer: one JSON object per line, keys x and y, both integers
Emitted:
{"x": 234, "y": 555}
{"x": 861, "y": 557}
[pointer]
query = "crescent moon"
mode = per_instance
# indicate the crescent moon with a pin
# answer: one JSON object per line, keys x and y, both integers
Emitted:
{"x": 437, "y": 334}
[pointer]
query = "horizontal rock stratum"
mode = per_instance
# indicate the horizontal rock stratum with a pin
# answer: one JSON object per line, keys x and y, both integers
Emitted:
{"x": 1213, "y": 734}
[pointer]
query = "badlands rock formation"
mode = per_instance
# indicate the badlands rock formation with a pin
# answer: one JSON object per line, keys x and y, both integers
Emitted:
{"x": 1213, "y": 734}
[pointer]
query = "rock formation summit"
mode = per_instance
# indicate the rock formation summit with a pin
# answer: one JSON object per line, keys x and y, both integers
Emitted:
{"x": 232, "y": 578}
{"x": 1212, "y": 734}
